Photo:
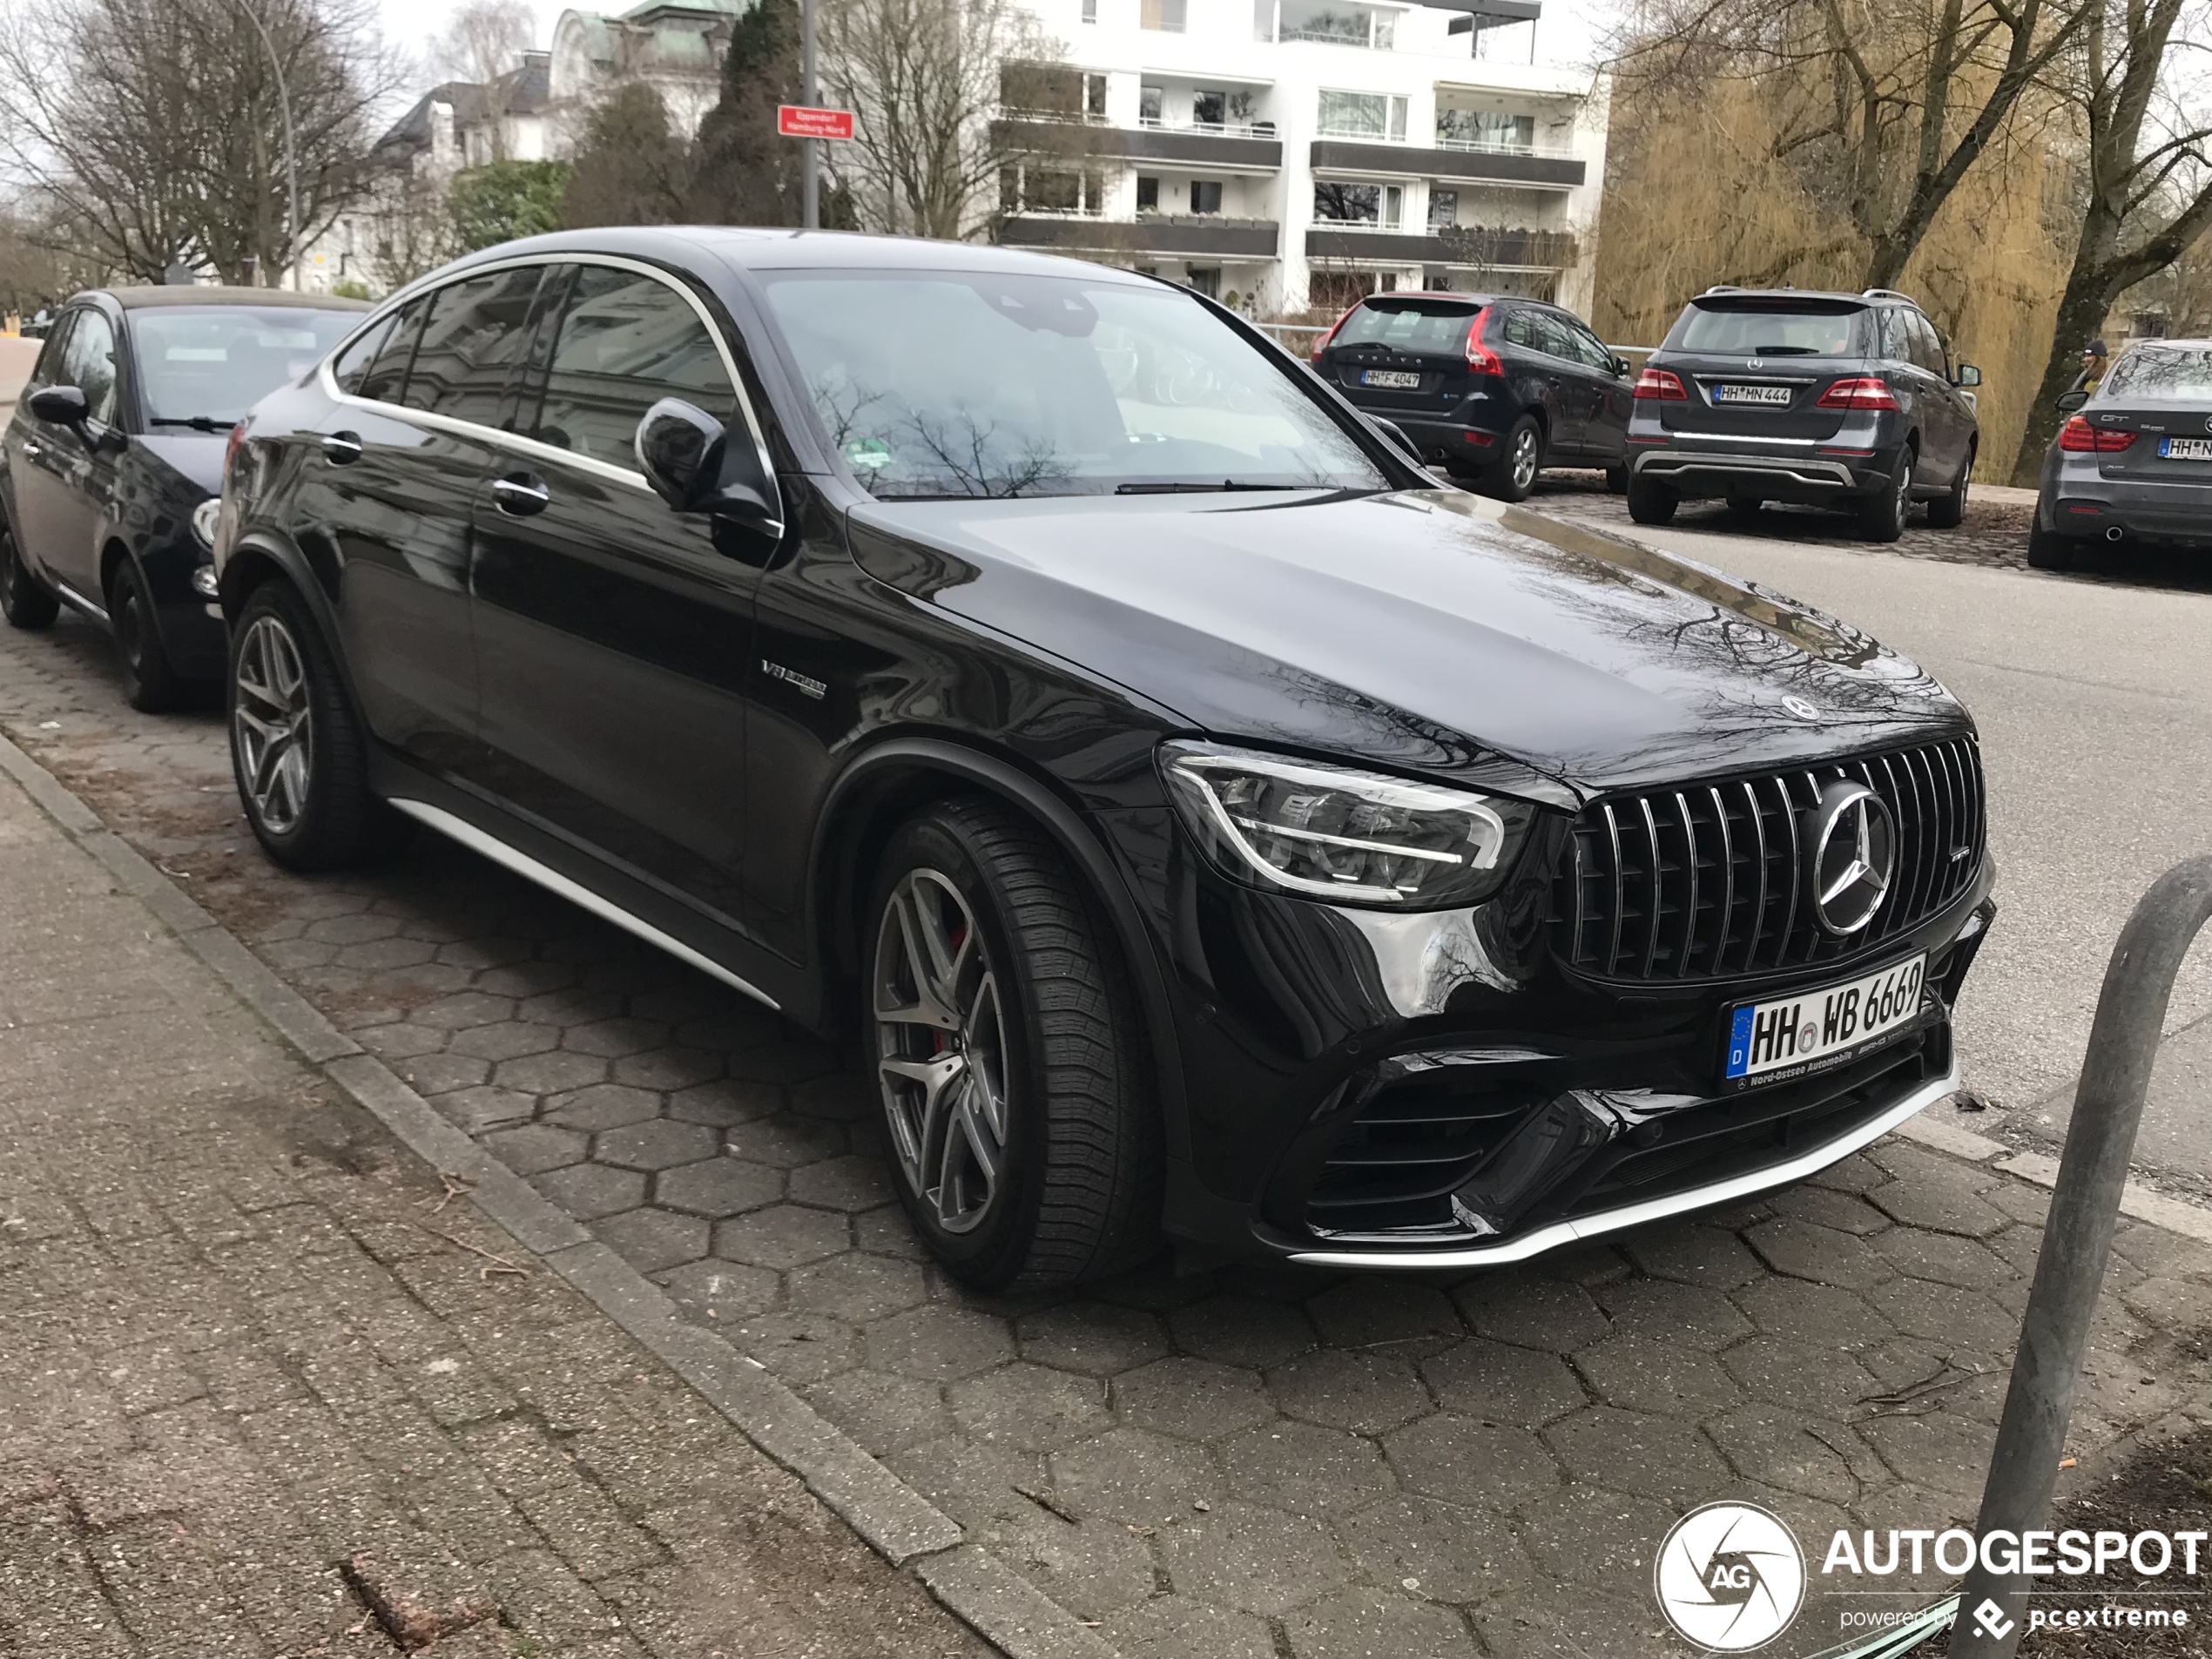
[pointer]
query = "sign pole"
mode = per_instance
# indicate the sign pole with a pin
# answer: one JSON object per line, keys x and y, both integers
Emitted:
{"x": 809, "y": 149}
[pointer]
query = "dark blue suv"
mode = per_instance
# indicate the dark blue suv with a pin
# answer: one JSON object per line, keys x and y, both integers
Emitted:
{"x": 1844, "y": 400}
{"x": 1492, "y": 390}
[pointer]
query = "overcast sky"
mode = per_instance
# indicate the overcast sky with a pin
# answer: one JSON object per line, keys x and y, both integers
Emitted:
{"x": 1567, "y": 31}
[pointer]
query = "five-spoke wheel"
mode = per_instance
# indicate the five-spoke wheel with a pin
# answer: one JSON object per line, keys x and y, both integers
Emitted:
{"x": 273, "y": 724}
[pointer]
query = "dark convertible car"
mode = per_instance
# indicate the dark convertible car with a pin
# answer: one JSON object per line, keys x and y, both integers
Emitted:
{"x": 109, "y": 469}
{"x": 1201, "y": 821}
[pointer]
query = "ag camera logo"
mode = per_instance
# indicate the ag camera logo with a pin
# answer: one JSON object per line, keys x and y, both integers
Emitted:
{"x": 1730, "y": 1577}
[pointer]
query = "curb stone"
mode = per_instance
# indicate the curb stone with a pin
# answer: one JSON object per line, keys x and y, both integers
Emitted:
{"x": 896, "y": 1521}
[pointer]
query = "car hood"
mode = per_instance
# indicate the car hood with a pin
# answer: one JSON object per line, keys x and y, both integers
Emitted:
{"x": 196, "y": 457}
{"x": 1433, "y": 630}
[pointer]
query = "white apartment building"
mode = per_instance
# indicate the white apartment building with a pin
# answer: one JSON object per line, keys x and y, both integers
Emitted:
{"x": 1301, "y": 152}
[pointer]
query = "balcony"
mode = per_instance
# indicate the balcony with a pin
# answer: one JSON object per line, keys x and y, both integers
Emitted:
{"x": 1224, "y": 146}
{"x": 1468, "y": 246}
{"x": 1201, "y": 236}
{"x": 1545, "y": 171}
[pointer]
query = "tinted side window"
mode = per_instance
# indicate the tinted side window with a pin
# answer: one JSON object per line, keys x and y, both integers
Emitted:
{"x": 625, "y": 342}
{"x": 1521, "y": 330}
{"x": 88, "y": 363}
{"x": 386, "y": 376}
{"x": 1931, "y": 358}
{"x": 351, "y": 367}
{"x": 47, "y": 371}
{"x": 1586, "y": 349}
{"x": 472, "y": 344}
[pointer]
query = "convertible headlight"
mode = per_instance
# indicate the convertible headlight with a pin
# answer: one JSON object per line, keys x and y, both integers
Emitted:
{"x": 1333, "y": 833}
{"x": 204, "y": 517}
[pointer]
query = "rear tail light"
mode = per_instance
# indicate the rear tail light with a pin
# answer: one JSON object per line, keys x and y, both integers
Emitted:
{"x": 2078, "y": 435}
{"x": 1859, "y": 391}
{"x": 1660, "y": 383}
{"x": 1481, "y": 359}
{"x": 1322, "y": 344}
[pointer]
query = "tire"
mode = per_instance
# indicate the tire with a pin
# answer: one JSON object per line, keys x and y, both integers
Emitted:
{"x": 1948, "y": 510}
{"x": 2048, "y": 550}
{"x": 1744, "y": 508}
{"x": 1520, "y": 458}
{"x": 25, "y": 604}
{"x": 150, "y": 683}
{"x": 975, "y": 910}
{"x": 298, "y": 752}
{"x": 1881, "y": 515}
{"x": 1616, "y": 479}
{"x": 1650, "y": 502}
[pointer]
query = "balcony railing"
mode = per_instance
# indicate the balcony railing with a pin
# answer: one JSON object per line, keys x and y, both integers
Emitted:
{"x": 1490, "y": 146}
{"x": 1216, "y": 129}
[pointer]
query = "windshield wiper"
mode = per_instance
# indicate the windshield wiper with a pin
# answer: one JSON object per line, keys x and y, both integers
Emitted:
{"x": 197, "y": 422}
{"x": 1185, "y": 487}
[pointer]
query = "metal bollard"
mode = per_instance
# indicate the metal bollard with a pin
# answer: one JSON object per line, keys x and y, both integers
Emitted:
{"x": 2077, "y": 1241}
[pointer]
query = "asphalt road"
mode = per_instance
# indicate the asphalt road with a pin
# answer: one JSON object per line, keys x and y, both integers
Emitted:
{"x": 2095, "y": 700}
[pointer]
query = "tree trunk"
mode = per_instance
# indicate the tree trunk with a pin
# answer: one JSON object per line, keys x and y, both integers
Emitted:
{"x": 2081, "y": 312}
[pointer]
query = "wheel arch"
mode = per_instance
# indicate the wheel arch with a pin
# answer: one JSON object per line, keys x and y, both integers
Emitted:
{"x": 260, "y": 558}
{"x": 897, "y": 777}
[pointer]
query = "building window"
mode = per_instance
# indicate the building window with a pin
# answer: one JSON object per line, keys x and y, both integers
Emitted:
{"x": 1205, "y": 278}
{"x": 1150, "y": 101}
{"x": 1362, "y": 115}
{"x": 1148, "y": 193}
{"x": 1166, "y": 16}
{"x": 1443, "y": 208}
{"x": 1090, "y": 10}
{"x": 1486, "y": 130}
{"x": 1205, "y": 195}
{"x": 1394, "y": 206}
{"x": 1339, "y": 202}
{"x": 1209, "y": 107}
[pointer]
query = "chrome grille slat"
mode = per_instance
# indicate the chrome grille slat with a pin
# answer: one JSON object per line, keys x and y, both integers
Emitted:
{"x": 1644, "y": 907}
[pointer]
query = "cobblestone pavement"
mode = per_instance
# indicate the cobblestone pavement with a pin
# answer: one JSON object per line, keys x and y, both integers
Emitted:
{"x": 261, "y": 1395}
{"x": 1230, "y": 1462}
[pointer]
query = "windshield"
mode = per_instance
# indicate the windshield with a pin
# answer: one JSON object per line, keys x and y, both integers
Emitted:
{"x": 1742, "y": 330}
{"x": 939, "y": 383}
{"x": 2160, "y": 375}
{"x": 1408, "y": 325}
{"x": 212, "y": 364}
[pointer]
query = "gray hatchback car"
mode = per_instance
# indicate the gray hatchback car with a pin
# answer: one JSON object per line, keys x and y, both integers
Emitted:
{"x": 2133, "y": 462}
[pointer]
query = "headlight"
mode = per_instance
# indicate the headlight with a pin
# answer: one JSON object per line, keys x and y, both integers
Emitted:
{"x": 1332, "y": 832}
{"x": 203, "y": 520}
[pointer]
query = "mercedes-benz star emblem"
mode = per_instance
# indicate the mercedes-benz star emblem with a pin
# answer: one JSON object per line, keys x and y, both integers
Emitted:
{"x": 2208, "y": 423}
{"x": 1851, "y": 853}
{"x": 1802, "y": 709}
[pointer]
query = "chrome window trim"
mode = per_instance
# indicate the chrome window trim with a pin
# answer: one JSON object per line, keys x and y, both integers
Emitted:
{"x": 514, "y": 441}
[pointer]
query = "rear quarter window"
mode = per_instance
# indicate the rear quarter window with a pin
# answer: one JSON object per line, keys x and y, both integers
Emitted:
{"x": 1741, "y": 330}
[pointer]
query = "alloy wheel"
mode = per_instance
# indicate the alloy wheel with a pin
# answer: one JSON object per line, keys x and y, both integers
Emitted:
{"x": 942, "y": 1051}
{"x": 1524, "y": 461}
{"x": 1905, "y": 490}
{"x": 273, "y": 724}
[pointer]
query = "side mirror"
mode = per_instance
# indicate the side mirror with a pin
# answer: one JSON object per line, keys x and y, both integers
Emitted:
{"x": 1620, "y": 368}
{"x": 1396, "y": 433}
{"x": 696, "y": 466}
{"x": 2069, "y": 402}
{"x": 1969, "y": 375}
{"x": 62, "y": 405}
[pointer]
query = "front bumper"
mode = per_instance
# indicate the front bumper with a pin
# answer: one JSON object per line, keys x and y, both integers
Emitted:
{"x": 1370, "y": 1091}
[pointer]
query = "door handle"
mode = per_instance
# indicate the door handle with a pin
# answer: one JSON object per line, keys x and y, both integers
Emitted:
{"x": 520, "y": 495}
{"x": 31, "y": 447}
{"x": 342, "y": 449}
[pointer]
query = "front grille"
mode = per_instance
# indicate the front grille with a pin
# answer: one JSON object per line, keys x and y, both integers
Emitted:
{"x": 1706, "y": 881}
{"x": 1407, "y": 1147}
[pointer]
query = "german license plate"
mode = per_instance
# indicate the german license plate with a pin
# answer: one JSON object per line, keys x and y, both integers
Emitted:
{"x": 1724, "y": 393}
{"x": 1391, "y": 379}
{"x": 1795, "y": 1036}
{"x": 2185, "y": 448}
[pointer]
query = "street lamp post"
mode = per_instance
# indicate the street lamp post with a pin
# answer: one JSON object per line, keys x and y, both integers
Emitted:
{"x": 291, "y": 155}
{"x": 810, "y": 178}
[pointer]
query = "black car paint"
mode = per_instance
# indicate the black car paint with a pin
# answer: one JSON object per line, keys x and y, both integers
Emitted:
{"x": 81, "y": 500}
{"x": 1459, "y": 418}
{"x": 886, "y": 652}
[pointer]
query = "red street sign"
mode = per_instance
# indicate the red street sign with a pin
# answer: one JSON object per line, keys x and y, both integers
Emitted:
{"x": 803, "y": 121}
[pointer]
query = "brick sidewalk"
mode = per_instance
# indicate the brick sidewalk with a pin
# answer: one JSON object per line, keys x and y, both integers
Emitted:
{"x": 266, "y": 1392}
{"x": 1228, "y": 1462}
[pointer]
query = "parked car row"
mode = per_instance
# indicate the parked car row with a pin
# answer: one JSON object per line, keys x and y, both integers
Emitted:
{"x": 1200, "y": 822}
{"x": 1834, "y": 400}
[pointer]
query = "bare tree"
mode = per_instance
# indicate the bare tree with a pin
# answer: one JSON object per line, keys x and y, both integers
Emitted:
{"x": 2147, "y": 193}
{"x": 150, "y": 130}
{"x": 1881, "y": 106}
{"x": 922, "y": 78}
{"x": 483, "y": 45}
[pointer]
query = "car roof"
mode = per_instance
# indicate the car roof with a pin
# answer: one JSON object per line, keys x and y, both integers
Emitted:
{"x": 1826, "y": 296}
{"x": 143, "y": 296}
{"x": 746, "y": 248}
{"x": 2185, "y": 343}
